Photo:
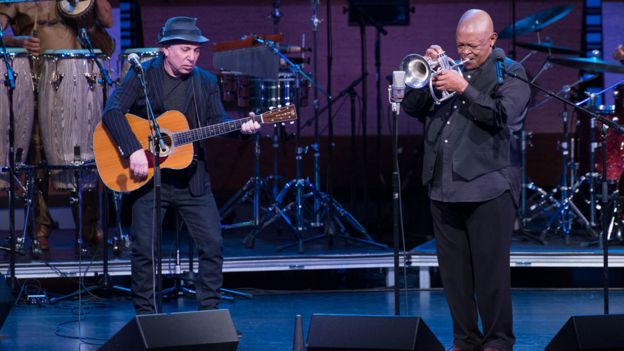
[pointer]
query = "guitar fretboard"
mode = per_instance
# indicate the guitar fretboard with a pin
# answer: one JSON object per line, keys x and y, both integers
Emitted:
{"x": 193, "y": 135}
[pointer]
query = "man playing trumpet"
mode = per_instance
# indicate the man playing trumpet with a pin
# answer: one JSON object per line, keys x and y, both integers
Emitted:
{"x": 473, "y": 181}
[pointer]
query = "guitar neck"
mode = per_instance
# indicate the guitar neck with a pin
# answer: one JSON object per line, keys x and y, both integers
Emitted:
{"x": 193, "y": 135}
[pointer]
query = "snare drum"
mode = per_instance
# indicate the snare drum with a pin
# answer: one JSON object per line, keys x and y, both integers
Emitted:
{"x": 23, "y": 110}
{"x": 70, "y": 106}
{"x": 143, "y": 53}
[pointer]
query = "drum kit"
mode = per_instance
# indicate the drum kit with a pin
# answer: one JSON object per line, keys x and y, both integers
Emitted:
{"x": 574, "y": 198}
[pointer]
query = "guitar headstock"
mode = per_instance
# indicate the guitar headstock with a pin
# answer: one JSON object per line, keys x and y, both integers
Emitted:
{"x": 279, "y": 115}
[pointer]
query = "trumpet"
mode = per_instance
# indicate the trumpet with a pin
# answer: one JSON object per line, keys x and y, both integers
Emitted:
{"x": 420, "y": 70}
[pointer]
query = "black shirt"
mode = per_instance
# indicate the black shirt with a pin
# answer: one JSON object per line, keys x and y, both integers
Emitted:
{"x": 175, "y": 90}
{"x": 469, "y": 139}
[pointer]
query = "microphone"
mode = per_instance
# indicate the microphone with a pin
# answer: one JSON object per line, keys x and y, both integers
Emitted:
{"x": 499, "y": 54}
{"x": 398, "y": 86}
{"x": 133, "y": 59}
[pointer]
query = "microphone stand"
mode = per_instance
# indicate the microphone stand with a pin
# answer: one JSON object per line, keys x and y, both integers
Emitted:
{"x": 605, "y": 194}
{"x": 365, "y": 19}
{"x": 157, "y": 145}
{"x": 316, "y": 146}
{"x": 396, "y": 197}
{"x": 9, "y": 82}
{"x": 105, "y": 82}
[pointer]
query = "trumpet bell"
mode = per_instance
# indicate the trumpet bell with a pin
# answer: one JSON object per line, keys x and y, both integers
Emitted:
{"x": 417, "y": 70}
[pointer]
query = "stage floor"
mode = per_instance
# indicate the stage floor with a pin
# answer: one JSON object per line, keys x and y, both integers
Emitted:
{"x": 267, "y": 320}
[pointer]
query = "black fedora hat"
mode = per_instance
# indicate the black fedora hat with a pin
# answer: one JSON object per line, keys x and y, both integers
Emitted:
{"x": 181, "y": 28}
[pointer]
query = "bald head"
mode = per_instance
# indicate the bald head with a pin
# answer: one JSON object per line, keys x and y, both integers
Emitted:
{"x": 476, "y": 21}
{"x": 475, "y": 37}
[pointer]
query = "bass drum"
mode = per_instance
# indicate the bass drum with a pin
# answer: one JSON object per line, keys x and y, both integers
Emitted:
{"x": 70, "y": 106}
{"x": 143, "y": 53}
{"x": 23, "y": 110}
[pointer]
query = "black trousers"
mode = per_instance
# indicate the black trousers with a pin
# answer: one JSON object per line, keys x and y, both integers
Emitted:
{"x": 472, "y": 241}
{"x": 201, "y": 217}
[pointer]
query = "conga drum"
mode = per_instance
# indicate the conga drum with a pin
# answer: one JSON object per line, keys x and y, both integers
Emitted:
{"x": 23, "y": 110}
{"x": 143, "y": 53}
{"x": 70, "y": 106}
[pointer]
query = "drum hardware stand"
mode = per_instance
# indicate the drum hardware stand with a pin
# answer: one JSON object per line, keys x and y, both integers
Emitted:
{"x": 563, "y": 217}
{"x": 566, "y": 205}
{"x": 257, "y": 185}
{"x": 29, "y": 219}
{"x": 121, "y": 240}
{"x": 604, "y": 186}
{"x": 254, "y": 188}
{"x": 9, "y": 83}
{"x": 525, "y": 183}
{"x": 315, "y": 147}
{"x": 104, "y": 283}
{"x": 180, "y": 276}
{"x": 328, "y": 204}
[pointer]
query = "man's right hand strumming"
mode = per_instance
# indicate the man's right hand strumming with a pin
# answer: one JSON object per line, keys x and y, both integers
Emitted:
{"x": 138, "y": 165}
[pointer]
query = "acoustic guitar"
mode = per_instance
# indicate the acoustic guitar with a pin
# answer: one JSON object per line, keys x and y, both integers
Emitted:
{"x": 114, "y": 170}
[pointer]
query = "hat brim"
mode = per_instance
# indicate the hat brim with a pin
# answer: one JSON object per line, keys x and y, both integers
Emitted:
{"x": 199, "y": 39}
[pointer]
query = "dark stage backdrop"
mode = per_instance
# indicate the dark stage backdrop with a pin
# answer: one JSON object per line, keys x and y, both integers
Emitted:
{"x": 432, "y": 22}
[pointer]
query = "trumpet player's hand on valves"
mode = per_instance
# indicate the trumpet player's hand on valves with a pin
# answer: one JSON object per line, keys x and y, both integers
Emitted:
{"x": 450, "y": 80}
{"x": 433, "y": 52}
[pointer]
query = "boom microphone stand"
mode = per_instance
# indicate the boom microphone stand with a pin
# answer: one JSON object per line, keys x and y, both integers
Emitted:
{"x": 604, "y": 193}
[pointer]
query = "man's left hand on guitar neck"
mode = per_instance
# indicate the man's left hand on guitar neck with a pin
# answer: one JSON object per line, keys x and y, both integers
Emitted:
{"x": 251, "y": 126}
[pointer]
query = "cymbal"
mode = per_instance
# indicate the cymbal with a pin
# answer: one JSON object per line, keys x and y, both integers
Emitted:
{"x": 589, "y": 64}
{"x": 548, "y": 47}
{"x": 536, "y": 21}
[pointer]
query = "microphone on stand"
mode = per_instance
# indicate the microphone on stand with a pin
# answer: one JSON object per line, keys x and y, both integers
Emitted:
{"x": 499, "y": 54}
{"x": 135, "y": 63}
{"x": 396, "y": 92}
{"x": 398, "y": 86}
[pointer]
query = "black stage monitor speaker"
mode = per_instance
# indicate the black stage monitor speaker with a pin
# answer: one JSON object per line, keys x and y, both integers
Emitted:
{"x": 189, "y": 331}
{"x": 601, "y": 332}
{"x": 7, "y": 300}
{"x": 364, "y": 332}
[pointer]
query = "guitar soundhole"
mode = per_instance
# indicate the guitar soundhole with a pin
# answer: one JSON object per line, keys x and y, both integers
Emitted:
{"x": 168, "y": 143}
